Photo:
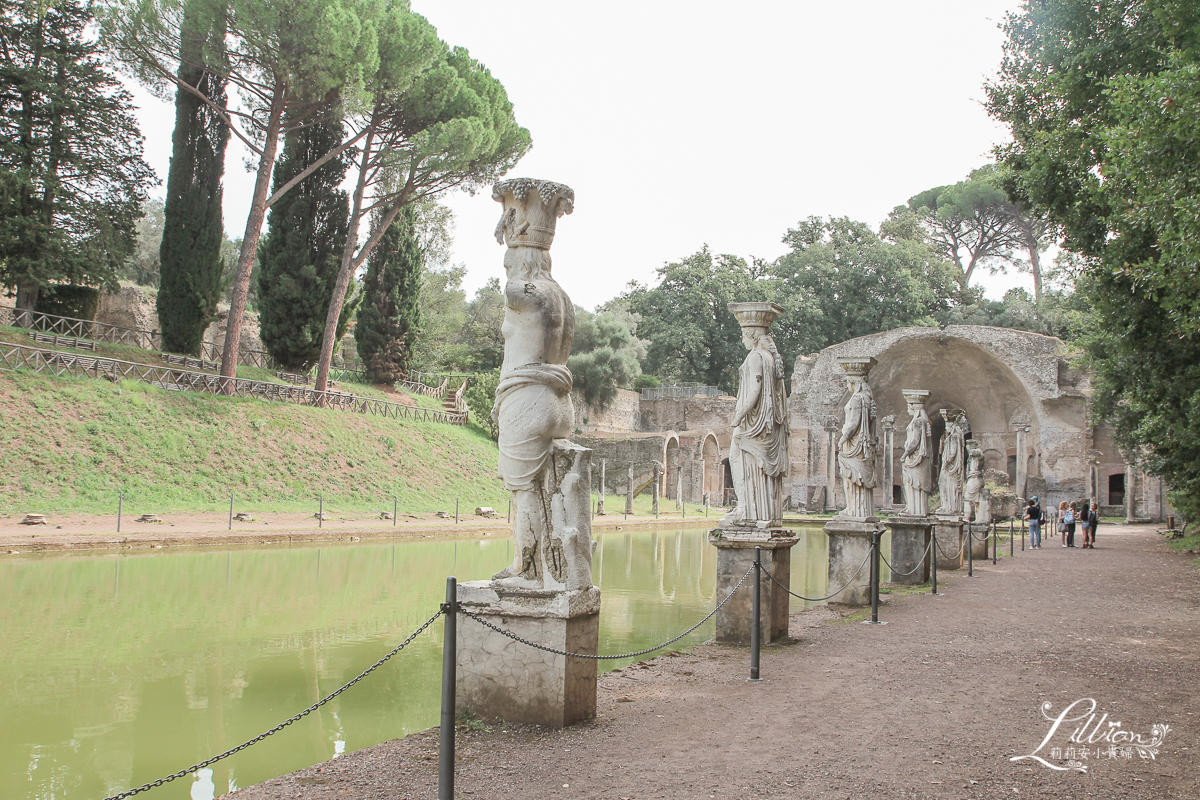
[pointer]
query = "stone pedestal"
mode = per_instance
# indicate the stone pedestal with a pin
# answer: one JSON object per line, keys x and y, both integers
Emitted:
{"x": 981, "y": 539}
{"x": 735, "y": 555}
{"x": 499, "y": 678}
{"x": 949, "y": 530}
{"x": 849, "y": 545}
{"x": 910, "y": 539}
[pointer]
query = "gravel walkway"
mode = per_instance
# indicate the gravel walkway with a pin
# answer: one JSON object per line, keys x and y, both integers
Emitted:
{"x": 932, "y": 705}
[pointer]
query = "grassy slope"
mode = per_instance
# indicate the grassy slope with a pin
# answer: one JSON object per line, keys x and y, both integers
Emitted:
{"x": 69, "y": 445}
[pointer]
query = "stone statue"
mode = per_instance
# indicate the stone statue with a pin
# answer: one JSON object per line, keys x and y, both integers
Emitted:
{"x": 973, "y": 487}
{"x": 858, "y": 441}
{"x": 551, "y": 501}
{"x": 758, "y": 449}
{"x": 915, "y": 462}
{"x": 950, "y": 483}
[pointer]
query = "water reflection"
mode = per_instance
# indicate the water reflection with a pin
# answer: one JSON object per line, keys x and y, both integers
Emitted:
{"x": 120, "y": 669}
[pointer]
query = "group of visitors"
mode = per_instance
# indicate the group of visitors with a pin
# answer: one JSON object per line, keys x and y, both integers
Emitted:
{"x": 1068, "y": 518}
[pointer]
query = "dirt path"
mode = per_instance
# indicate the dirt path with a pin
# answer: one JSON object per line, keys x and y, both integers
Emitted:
{"x": 931, "y": 705}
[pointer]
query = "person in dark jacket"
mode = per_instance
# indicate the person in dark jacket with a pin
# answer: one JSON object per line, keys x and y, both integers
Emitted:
{"x": 1093, "y": 521}
{"x": 1034, "y": 514}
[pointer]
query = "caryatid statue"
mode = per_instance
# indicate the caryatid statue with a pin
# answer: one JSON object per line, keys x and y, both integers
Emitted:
{"x": 758, "y": 449}
{"x": 533, "y": 404}
{"x": 950, "y": 482}
{"x": 859, "y": 440}
{"x": 973, "y": 486}
{"x": 915, "y": 462}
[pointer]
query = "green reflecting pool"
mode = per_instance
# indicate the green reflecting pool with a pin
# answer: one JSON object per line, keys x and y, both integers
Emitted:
{"x": 120, "y": 669}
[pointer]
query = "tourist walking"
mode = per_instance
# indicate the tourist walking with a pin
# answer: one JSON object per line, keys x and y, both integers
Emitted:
{"x": 1033, "y": 513}
{"x": 1085, "y": 521}
{"x": 1093, "y": 521}
{"x": 1071, "y": 518}
{"x": 1063, "y": 510}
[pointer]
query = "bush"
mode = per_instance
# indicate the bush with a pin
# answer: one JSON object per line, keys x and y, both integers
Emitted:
{"x": 76, "y": 302}
{"x": 481, "y": 395}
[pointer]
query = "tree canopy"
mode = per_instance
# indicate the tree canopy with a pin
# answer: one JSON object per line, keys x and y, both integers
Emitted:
{"x": 1103, "y": 104}
{"x": 606, "y": 355}
{"x": 72, "y": 178}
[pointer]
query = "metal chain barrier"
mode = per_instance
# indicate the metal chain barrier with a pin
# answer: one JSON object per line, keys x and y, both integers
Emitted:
{"x": 826, "y": 597}
{"x": 545, "y": 649}
{"x": 920, "y": 563}
{"x": 281, "y": 725}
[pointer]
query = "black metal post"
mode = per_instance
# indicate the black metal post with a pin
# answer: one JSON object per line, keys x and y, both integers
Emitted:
{"x": 120, "y": 508}
{"x": 449, "y": 678}
{"x": 875, "y": 577}
{"x": 395, "y": 508}
{"x": 1023, "y": 535}
{"x": 231, "y": 511}
{"x": 1012, "y": 545}
{"x": 321, "y": 511}
{"x": 970, "y": 551}
{"x": 933, "y": 547}
{"x": 756, "y": 625}
{"x": 995, "y": 541}
{"x": 456, "y": 511}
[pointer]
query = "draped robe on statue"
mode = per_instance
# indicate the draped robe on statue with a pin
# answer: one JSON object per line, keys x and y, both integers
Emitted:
{"x": 856, "y": 453}
{"x": 758, "y": 449}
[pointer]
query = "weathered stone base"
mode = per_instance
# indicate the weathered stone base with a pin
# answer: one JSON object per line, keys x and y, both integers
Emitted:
{"x": 499, "y": 678}
{"x": 949, "y": 532}
{"x": 735, "y": 555}
{"x": 910, "y": 539}
{"x": 981, "y": 538}
{"x": 849, "y": 545}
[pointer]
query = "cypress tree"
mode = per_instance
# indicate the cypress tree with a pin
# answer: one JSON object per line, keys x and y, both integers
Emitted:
{"x": 390, "y": 316}
{"x": 190, "y": 254}
{"x": 299, "y": 259}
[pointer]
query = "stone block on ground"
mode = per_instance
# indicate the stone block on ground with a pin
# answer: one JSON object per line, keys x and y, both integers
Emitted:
{"x": 735, "y": 555}
{"x": 850, "y": 545}
{"x": 949, "y": 532}
{"x": 910, "y": 543}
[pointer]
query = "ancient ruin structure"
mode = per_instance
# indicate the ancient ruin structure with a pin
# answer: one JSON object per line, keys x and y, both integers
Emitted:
{"x": 546, "y": 595}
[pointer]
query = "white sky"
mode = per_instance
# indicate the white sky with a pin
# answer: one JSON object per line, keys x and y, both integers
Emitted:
{"x": 684, "y": 123}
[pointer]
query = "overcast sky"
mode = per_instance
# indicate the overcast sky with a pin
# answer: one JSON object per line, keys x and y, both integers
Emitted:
{"x": 684, "y": 123}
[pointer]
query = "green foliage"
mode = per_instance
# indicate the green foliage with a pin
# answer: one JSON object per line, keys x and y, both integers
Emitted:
{"x": 72, "y": 178}
{"x": 1102, "y": 102}
{"x": 299, "y": 259}
{"x": 841, "y": 280}
{"x": 389, "y": 320}
{"x": 480, "y": 397}
{"x": 143, "y": 266}
{"x": 63, "y": 300}
{"x": 189, "y": 258}
{"x": 482, "y": 339}
{"x": 645, "y": 381}
{"x": 605, "y": 355}
{"x": 1065, "y": 315}
{"x": 692, "y": 335}
{"x": 443, "y": 318}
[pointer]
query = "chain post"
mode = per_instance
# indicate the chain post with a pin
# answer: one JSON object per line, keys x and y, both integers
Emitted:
{"x": 1012, "y": 545}
{"x": 456, "y": 511}
{"x": 1023, "y": 534}
{"x": 231, "y": 511}
{"x": 449, "y": 678}
{"x": 970, "y": 551}
{"x": 875, "y": 577}
{"x": 756, "y": 625}
{"x": 995, "y": 541}
{"x": 933, "y": 547}
{"x": 395, "y": 508}
{"x": 321, "y": 511}
{"x": 120, "y": 508}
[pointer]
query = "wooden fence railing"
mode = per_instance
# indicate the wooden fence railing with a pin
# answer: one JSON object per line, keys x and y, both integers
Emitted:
{"x": 15, "y": 357}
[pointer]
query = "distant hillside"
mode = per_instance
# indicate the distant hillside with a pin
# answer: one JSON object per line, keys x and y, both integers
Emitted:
{"x": 71, "y": 444}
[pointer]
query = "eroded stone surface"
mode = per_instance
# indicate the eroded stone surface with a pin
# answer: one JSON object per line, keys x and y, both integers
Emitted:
{"x": 735, "y": 555}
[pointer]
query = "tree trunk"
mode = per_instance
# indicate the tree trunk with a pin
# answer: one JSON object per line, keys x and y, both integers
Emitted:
{"x": 254, "y": 223}
{"x": 27, "y": 297}
{"x": 1035, "y": 265}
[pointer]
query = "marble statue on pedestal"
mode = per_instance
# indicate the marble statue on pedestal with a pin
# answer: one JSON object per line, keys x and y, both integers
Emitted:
{"x": 758, "y": 449}
{"x": 950, "y": 483}
{"x": 858, "y": 441}
{"x": 533, "y": 404}
{"x": 973, "y": 486}
{"x": 915, "y": 462}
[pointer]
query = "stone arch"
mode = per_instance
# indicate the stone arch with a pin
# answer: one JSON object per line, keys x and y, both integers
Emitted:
{"x": 710, "y": 460}
{"x": 671, "y": 465}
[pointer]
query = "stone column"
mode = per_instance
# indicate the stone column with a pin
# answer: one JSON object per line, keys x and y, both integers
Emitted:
{"x": 600, "y": 505}
{"x": 1130, "y": 501}
{"x": 735, "y": 555}
{"x": 1021, "y": 425}
{"x": 850, "y": 533}
{"x": 831, "y": 429}
{"x": 629, "y": 491}
{"x": 655, "y": 494}
{"x": 679, "y": 488}
{"x": 887, "y": 453}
